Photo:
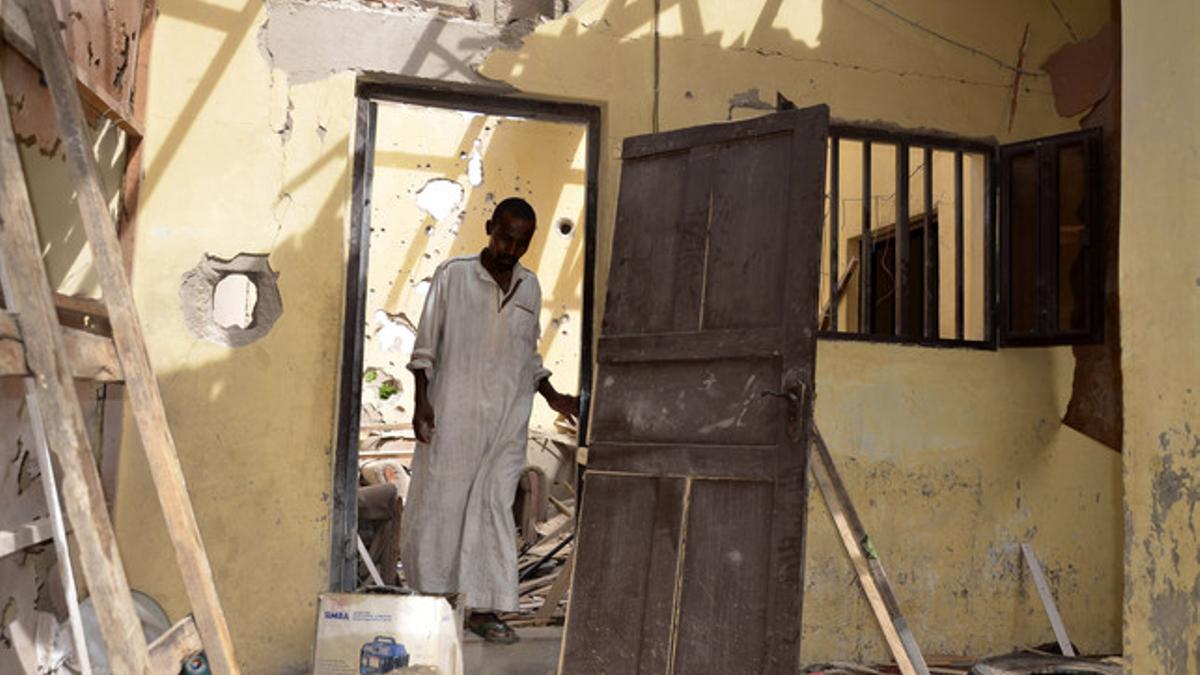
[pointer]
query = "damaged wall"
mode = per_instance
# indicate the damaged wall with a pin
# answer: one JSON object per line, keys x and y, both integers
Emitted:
{"x": 438, "y": 175}
{"x": 240, "y": 160}
{"x": 1160, "y": 331}
{"x": 954, "y": 457}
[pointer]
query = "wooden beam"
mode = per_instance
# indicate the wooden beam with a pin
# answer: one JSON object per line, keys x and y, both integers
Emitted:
{"x": 1043, "y": 589}
{"x": 172, "y": 648}
{"x": 91, "y": 356}
{"x": 23, "y": 278}
{"x": 25, "y": 536}
{"x": 866, "y": 563}
{"x": 142, "y": 386}
{"x": 557, "y": 591}
{"x": 829, "y": 314}
{"x": 19, "y": 34}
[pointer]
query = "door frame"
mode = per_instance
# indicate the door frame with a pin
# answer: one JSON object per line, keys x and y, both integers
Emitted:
{"x": 343, "y": 558}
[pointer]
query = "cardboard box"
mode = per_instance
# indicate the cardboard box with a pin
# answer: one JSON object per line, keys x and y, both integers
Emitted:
{"x": 382, "y": 634}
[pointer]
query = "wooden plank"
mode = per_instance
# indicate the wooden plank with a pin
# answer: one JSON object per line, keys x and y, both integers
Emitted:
{"x": 172, "y": 648}
{"x": 23, "y": 278}
{"x": 1043, "y": 589}
{"x": 723, "y": 344}
{"x": 625, "y": 549}
{"x": 25, "y": 536}
{"x": 91, "y": 357}
{"x": 370, "y": 564}
{"x": 709, "y": 134}
{"x": 867, "y": 565}
{"x": 748, "y": 260}
{"x": 561, "y": 583}
{"x": 829, "y": 314}
{"x": 66, "y": 566}
{"x": 19, "y": 34}
{"x": 665, "y": 459}
{"x": 131, "y": 181}
{"x": 726, "y": 575}
{"x": 144, "y": 395}
{"x": 691, "y": 242}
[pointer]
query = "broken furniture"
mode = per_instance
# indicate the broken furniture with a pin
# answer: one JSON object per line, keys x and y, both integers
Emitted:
{"x": 694, "y": 499}
{"x": 56, "y": 414}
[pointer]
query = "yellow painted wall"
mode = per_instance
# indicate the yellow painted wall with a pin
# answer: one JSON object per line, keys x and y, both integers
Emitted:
{"x": 542, "y": 162}
{"x": 237, "y": 160}
{"x": 953, "y": 457}
{"x": 1160, "y": 332}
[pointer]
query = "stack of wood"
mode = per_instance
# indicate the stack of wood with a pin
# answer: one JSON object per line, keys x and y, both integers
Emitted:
{"x": 545, "y": 571}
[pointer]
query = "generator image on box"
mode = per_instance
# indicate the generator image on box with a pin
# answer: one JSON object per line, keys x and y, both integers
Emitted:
{"x": 381, "y": 656}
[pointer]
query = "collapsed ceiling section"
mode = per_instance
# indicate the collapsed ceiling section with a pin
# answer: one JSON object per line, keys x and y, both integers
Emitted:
{"x": 439, "y": 40}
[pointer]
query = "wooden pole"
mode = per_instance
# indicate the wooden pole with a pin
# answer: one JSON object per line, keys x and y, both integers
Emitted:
{"x": 142, "y": 386}
{"x": 867, "y": 566}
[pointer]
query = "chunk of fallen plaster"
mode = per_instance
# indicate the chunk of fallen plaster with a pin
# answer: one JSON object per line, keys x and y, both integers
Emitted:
{"x": 440, "y": 197}
{"x": 394, "y": 332}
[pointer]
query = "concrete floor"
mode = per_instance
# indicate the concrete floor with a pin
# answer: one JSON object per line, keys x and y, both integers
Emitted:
{"x": 535, "y": 654}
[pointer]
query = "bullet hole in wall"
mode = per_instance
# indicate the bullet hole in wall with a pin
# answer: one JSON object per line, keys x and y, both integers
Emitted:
{"x": 565, "y": 227}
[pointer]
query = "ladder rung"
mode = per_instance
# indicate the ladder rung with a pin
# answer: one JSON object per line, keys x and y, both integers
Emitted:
{"x": 93, "y": 357}
{"x": 169, "y": 651}
{"x": 27, "y": 535}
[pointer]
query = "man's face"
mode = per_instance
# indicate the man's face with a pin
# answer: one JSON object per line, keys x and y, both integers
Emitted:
{"x": 508, "y": 239}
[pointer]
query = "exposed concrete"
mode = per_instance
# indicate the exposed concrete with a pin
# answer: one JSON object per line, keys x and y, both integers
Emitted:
{"x": 311, "y": 41}
{"x": 198, "y": 297}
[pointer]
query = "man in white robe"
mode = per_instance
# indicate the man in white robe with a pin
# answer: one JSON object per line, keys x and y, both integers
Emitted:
{"x": 476, "y": 366}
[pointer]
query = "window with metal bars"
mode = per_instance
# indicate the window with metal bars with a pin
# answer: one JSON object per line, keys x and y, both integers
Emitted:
{"x": 912, "y": 246}
{"x": 909, "y": 238}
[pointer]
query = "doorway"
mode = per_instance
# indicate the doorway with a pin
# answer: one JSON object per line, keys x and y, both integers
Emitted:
{"x": 429, "y": 167}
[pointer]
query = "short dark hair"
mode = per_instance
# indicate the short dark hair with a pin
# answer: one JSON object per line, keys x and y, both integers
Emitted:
{"x": 515, "y": 207}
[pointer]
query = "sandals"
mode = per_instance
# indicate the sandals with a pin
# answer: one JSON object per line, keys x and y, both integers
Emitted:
{"x": 489, "y": 627}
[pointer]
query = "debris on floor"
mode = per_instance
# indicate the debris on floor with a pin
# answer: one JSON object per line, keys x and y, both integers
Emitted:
{"x": 1029, "y": 661}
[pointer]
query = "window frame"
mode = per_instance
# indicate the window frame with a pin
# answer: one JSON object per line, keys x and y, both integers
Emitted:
{"x": 1047, "y": 284}
{"x": 930, "y": 141}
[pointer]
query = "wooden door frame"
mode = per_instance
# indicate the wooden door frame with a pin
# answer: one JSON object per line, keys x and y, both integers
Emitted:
{"x": 343, "y": 557}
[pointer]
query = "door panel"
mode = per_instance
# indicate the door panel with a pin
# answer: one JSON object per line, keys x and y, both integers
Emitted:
{"x": 691, "y": 541}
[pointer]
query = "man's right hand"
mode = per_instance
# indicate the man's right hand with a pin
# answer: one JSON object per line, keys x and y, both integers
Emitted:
{"x": 423, "y": 422}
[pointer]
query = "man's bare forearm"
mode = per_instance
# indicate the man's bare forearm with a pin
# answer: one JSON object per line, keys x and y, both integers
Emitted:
{"x": 421, "y": 394}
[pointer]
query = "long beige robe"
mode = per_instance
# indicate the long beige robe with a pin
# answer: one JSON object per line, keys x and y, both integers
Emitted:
{"x": 479, "y": 349}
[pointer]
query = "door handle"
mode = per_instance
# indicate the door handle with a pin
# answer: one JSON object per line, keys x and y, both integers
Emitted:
{"x": 794, "y": 395}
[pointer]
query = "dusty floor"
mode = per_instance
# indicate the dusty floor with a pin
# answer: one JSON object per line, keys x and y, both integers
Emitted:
{"x": 535, "y": 654}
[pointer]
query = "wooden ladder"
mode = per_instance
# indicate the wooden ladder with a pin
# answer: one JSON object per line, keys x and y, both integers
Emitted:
{"x": 54, "y": 408}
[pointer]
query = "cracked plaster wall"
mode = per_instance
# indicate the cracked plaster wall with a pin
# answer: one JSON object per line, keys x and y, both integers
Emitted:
{"x": 954, "y": 457}
{"x": 1160, "y": 331}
